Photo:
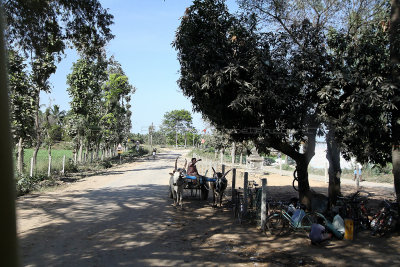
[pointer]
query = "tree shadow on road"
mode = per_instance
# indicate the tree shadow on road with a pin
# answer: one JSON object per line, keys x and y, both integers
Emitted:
{"x": 138, "y": 226}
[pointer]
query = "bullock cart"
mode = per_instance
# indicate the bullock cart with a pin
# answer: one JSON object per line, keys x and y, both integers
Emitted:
{"x": 198, "y": 187}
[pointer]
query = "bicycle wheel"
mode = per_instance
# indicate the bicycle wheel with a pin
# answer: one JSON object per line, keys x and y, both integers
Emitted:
{"x": 240, "y": 210}
{"x": 295, "y": 179}
{"x": 274, "y": 224}
{"x": 306, "y": 222}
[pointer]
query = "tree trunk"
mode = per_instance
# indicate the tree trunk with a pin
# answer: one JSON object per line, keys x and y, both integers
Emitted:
{"x": 176, "y": 139}
{"x": 394, "y": 38}
{"x": 185, "y": 140}
{"x": 302, "y": 176}
{"x": 49, "y": 151}
{"x": 20, "y": 156}
{"x": 86, "y": 153}
{"x": 80, "y": 151}
{"x": 333, "y": 156}
{"x": 233, "y": 153}
{"x": 302, "y": 161}
{"x": 38, "y": 140}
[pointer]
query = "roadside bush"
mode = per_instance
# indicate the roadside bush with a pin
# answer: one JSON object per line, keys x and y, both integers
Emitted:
{"x": 70, "y": 166}
{"x": 135, "y": 153}
{"x": 379, "y": 169}
{"x": 25, "y": 184}
{"x": 287, "y": 167}
{"x": 106, "y": 164}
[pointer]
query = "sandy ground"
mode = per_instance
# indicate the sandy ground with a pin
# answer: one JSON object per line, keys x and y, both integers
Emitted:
{"x": 124, "y": 218}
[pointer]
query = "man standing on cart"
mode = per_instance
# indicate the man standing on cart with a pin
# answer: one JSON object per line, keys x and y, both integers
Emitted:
{"x": 192, "y": 170}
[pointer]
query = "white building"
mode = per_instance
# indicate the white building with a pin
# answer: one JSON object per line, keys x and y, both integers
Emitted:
{"x": 319, "y": 160}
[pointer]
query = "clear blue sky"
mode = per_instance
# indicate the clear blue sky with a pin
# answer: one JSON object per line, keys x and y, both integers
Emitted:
{"x": 144, "y": 31}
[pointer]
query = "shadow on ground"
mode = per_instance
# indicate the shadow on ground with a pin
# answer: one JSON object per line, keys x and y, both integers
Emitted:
{"x": 137, "y": 226}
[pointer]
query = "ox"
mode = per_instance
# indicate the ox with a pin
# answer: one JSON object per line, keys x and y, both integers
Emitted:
{"x": 176, "y": 183}
{"x": 218, "y": 186}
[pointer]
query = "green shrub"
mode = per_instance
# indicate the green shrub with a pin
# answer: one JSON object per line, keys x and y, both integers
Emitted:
{"x": 287, "y": 167}
{"x": 26, "y": 184}
{"x": 106, "y": 164}
{"x": 70, "y": 166}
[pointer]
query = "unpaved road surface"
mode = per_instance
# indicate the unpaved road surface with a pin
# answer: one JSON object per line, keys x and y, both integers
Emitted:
{"x": 124, "y": 218}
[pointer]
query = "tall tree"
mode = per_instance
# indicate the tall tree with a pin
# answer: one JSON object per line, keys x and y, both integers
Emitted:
{"x": 361, "y": 99}
{"x": 177, "y": 122}
{"x": 42, "y": 29}
{"x": 85, "y": 88}
{"x": 262, "y": 86}
{"x": 117, "y": 91}
{"x": 394, "y": 40}
{"x": 21, "y": 104}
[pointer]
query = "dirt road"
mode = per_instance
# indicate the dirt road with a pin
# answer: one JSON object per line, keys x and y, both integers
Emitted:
{"x": 124, "y": 218}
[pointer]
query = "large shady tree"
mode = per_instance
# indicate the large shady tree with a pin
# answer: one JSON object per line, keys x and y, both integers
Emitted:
{"x": 261, "y": 86}
{"x": 362, "y": 101}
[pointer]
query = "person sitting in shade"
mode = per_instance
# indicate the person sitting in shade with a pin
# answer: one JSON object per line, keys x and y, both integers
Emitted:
{"x": 192, "y": 169}
{"x": 318, "y": 232}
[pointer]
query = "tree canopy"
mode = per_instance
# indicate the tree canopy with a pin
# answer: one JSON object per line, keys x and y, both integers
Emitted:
{"x": 274, "y": 72}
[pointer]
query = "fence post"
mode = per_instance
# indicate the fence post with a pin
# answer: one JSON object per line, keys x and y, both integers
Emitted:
{"x": 245, "y": 193}
{"x": 63, "y": 169}
{"x": 223, "y": 168}
{"x": 233, "y": 184}
{"x": 31, "y": 172}
{"x": 263, "y": 203}
{"x": 49, "y": 171}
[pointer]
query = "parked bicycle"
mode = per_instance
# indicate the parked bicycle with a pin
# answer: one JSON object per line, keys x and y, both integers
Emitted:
{"x": 281, "y": 221}
{"x": 386, "y": 219}
{"x": 253, "y": 201}
{"x": 355, "y": 207}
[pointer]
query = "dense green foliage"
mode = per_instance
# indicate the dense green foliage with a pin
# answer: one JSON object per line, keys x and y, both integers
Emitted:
{"x": 177, "y": 123}
{"x": 282, "y": 72}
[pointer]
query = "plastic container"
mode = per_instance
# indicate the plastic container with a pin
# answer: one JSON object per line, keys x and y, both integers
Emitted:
{"x": 348, "y": 229}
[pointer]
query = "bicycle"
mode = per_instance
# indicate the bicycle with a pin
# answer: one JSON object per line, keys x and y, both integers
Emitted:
{"x": 254, "y": 202}
{"x": 282, "y": 220}
{"x": 354, "y": 207}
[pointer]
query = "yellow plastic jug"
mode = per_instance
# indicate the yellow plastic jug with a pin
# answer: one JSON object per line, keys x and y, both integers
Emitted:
{"x": 348, "y": 229}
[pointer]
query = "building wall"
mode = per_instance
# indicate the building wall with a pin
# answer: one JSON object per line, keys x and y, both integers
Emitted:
{"x": 319, "y": 159}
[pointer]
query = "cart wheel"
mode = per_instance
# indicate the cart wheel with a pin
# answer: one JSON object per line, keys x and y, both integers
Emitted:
{"x": 170, "y": 193}
{"x": 204, "y": 193}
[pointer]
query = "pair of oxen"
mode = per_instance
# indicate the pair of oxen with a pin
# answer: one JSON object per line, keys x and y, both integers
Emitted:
{"x": 178, "y": 180}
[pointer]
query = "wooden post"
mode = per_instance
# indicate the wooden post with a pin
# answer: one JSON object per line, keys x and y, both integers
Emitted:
{"x": 31, "y": 172}
{"x": 63, "y": 169}
{"x": 245, "y": 193}
{"x": 223, "y": 168}
{"x": 233, "y": 185}
{"x": 263, "y": 203}
{"x": 241, "y": 159}
{"x": 49, "y": 170}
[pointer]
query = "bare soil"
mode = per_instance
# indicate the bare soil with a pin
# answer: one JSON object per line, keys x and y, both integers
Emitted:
{"x": 125, "y": 218}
